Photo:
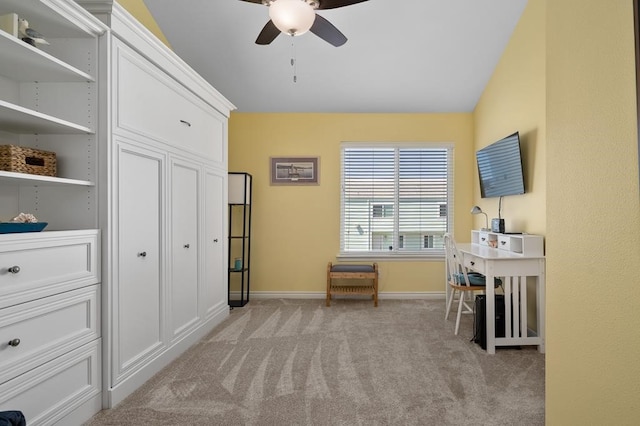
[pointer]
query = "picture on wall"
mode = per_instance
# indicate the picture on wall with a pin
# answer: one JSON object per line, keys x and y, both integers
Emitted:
{"x": 295, "y": 170}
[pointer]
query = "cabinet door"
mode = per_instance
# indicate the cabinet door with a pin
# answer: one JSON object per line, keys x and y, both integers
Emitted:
{"x": 185, "y": 179}
{"x": 137, "y": 310}
{"x": 214, "y": 284}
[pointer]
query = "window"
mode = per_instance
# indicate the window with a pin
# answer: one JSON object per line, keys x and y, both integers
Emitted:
{"x": 396, "y": 199}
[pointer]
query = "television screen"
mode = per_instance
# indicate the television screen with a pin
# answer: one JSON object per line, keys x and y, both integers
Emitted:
{"x": 500, "y": 168}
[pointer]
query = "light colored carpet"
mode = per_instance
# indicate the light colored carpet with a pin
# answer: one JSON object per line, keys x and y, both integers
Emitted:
{"x": 297, "y": 362}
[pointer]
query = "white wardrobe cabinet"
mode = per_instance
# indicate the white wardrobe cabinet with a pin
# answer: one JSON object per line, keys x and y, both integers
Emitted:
{"x": 166, "y": 273}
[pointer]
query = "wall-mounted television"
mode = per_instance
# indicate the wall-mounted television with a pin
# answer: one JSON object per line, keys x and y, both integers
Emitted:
{"x": 500, "y": 168}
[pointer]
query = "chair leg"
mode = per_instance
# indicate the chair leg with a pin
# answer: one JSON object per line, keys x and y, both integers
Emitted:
{"x": 459, "y": 312}
{"x": 451, "y": 296}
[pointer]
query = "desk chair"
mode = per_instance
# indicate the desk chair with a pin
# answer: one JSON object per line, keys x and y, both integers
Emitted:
{"x": 460, "y": 280}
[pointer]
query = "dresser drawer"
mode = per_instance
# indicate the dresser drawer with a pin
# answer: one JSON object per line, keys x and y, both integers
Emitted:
{"x": 152, "y": 104}
{"x": 42, "y": 264}
{"x": 52, "y": 391}
{"x": 33, "y": 333}
{"x": 474, "y": 263}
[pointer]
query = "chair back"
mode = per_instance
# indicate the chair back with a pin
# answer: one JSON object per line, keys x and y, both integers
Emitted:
{"x": 456, "y": 272}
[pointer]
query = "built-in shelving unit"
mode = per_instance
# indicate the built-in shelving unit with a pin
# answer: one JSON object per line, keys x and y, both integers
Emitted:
{"x": 50, "y": 296}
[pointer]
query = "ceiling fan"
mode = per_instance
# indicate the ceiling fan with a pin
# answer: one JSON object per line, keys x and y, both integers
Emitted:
{"x": 296, "y": 17}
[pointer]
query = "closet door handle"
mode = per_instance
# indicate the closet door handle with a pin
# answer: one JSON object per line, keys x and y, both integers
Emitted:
{"x": 142, "y": 254}
{"x": 14, "y": 342}
{"x": 185, "y": 122}
{"x": 14, "y": 269}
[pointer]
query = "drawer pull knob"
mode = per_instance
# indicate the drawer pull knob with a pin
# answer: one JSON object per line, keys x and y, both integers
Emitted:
{"x": 142, "y": 254}
{"x": 484, "y": 239}
{"x": 185, "y": 122}
{"x": 215, "y": 240}
{"x": 14, "y": 342}
{"x": 187, "y": 245}
{"x": 503, "y": 242}
{"x": 472, "y": 263}
{"x": 14, "y": 269}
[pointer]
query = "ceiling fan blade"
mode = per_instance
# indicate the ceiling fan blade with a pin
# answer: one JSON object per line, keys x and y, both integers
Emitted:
{"x": 332, "y": 4}
{"x": 268, "y": 33}
{"x": 326, "y": 31}
{"x": 253, "y": 1}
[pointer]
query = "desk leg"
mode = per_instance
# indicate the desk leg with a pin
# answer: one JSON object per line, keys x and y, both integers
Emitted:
{"x": 541, "y": 282}
{"x": 491, "y": 314}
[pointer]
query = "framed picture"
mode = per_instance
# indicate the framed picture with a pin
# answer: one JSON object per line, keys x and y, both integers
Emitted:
{"x": 295, "y": 170}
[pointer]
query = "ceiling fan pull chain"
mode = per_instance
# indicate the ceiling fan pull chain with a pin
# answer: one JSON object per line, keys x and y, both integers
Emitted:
{"x": 293, "y": 59}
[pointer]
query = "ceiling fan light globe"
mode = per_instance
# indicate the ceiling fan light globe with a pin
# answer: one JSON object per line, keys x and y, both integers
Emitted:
{"x": 293, "y": 17}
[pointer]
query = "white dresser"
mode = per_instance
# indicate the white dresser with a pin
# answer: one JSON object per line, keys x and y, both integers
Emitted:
{"x": 50, "y": 361}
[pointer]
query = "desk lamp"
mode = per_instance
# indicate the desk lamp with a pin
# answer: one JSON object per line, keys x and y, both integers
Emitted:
{"x": 478, "y": 210}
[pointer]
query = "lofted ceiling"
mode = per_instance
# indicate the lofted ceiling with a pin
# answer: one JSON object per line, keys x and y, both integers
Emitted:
{"x": 401, "y": 55}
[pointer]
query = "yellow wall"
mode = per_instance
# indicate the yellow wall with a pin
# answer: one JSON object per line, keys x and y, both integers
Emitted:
{"x": 296, "y": 229}
{"x": 138, "y": 9}
{"x": 514, "y": 100}
{"x": 593, "y": 215}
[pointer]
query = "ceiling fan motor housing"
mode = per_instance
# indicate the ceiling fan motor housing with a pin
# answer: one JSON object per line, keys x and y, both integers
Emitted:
{"x": 313, "y": 3}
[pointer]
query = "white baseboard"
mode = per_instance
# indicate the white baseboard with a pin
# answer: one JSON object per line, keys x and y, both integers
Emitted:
{"x": 261, "y": 295}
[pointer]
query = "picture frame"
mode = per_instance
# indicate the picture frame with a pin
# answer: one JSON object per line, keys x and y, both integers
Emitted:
{"x": 295, "y": 170}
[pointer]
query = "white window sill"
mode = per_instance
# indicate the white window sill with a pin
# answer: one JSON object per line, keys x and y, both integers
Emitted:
{"x": 391, "y": 257}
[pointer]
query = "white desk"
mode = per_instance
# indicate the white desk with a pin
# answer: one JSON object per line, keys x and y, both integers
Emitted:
{"x": 514, "y": 268}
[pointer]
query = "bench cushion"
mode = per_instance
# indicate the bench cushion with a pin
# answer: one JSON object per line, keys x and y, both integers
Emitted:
{"x": 352, "y": 268}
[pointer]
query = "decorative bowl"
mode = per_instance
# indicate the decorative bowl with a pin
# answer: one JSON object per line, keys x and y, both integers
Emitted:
{"x": 16, "y": 227}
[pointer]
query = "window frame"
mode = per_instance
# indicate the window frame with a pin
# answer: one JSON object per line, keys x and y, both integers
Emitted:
{"x": 398, "y": 253}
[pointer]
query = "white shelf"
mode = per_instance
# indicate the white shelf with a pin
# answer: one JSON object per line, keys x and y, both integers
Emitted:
{"x": 53, "y": 18}
{"x": 23, "y": 62}
{"x": 17, "y": 119}
{"x": 24, "y": 179}
{"x": 521, "y": 244}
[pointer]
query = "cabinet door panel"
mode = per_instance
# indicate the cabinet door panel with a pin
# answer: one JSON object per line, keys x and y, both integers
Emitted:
{"x": 214, "y": 284}
{"x": 150, "y": 103}
{"x": 138, "y": 309}
{"x": 185, "y": 180}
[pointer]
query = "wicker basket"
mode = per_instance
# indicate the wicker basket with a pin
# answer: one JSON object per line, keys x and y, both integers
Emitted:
{"x": 21, "y": 159}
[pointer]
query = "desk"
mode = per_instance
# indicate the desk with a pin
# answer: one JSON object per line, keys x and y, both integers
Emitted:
{"x": 514, "y": 268}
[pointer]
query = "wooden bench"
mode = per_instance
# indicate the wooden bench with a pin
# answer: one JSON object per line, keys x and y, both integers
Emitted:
{"x": 353, "y": 272}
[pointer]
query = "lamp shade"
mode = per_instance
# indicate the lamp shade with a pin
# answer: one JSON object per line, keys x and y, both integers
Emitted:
{"x": 293, "y": 17}
{"x": 239, "y": 188}
{"x": 478, "y": 210}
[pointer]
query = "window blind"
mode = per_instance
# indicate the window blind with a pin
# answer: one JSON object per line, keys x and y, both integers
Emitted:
{"x": 396, "y": 199}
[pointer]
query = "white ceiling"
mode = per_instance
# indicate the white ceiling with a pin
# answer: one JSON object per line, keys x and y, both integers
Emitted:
{"x": 401, "y": 55}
